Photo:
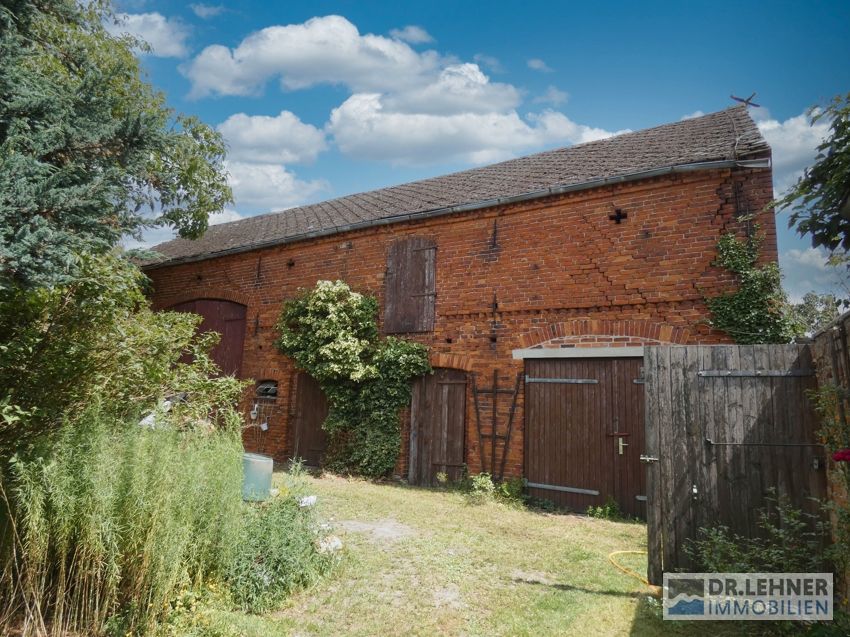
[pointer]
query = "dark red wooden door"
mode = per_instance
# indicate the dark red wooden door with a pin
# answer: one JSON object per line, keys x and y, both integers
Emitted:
{"x": 584, "y": 432}
{"x": 311, "y": 409}
{"x": 437, "y": 426}
{"x": 226, "y": 318}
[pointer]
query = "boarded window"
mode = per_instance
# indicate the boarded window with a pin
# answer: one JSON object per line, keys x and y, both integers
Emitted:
{"x": 410, "y": 292}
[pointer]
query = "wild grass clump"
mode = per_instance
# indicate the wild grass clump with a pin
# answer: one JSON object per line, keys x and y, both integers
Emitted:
{"x": 280, "y": 551}
{"x": 117, "y": 519}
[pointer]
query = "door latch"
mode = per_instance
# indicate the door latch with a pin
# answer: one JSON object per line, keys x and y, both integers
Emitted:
{"x": 648, "y": 459}
{"x": 621, "y": 445}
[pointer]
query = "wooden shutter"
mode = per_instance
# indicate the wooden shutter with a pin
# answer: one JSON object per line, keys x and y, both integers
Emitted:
{"x": 410, "y": 293}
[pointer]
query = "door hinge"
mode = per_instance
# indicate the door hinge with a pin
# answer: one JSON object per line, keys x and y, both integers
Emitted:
{"x": 648, "y": 459}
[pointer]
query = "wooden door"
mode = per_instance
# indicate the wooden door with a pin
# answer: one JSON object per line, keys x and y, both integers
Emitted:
{"x": 628, "y": 402}
{"x": 580, "y": 414}
{"x": 226, "y": 318}
{"x": 437, "y": 426}
{"x": 311, "y": 409}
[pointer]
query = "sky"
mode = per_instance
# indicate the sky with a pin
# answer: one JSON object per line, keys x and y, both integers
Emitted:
{"x": 322, "y": 99}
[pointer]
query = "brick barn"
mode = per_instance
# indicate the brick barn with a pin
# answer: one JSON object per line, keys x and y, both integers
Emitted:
{"x": 535, "y": 282}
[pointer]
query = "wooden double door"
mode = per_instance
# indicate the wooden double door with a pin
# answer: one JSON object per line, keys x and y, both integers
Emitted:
{"x": 437, "y": 426}
{"x": 584, "y": 432}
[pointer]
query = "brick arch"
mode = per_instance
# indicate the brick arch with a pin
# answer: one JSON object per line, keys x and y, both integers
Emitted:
{"x": 451, "y": 361}
{"x": 219, "y": 295}
{"x": 581, "y": 332}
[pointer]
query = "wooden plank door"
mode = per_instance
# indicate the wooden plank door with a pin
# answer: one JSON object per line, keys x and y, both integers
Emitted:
{"x": 568, "y": 414}
{"x": 311, "y": 410}
{"x": 437, "y": 426}
{"x": 626, "y": 449}
{"x": 226, "y": 318}
{"x": 584, "y": 432}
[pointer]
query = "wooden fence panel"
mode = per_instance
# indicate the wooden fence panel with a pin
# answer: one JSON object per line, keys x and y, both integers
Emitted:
{"x": 727, "y": 425}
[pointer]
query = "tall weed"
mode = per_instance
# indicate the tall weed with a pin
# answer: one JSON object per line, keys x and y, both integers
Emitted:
{"x": 116, "y": 520}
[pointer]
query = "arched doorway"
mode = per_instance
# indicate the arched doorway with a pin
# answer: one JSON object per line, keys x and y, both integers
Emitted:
{"x": 226, "y": 318}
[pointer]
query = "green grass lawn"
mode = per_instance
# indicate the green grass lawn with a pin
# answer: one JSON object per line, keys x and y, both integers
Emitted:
{"x": 423, "y": 562}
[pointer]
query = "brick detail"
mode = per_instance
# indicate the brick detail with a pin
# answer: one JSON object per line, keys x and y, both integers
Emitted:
{"x": 603, "y": 333}
{"x": 452, "y": 361}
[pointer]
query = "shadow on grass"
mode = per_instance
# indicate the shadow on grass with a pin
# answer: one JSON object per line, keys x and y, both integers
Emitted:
{"x": 577, "y": 589}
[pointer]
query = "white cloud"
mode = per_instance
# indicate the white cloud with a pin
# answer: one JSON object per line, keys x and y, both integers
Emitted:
{"x": 225, "y": 216}
{"x": 269, "y": 186}
{"x": 405, "y": 107}
{"x": 166, "y": 37}
{"x": 460, "y": 88}
{"x": 536, "y": 64}
{"x": 280, "y": 139}
{"x": 552, "y": 96}
{"x": 362, "y": 127}
{"x": 817, "y": 258}
{"x": 692, "y": 115}
{"x": 326, "y": 50}
{"x": 808, "y": 270}
{"x": 206, "y": 11}
{"x": 412, "y": 34}
{"x": 794, "y": 143}
{"x": 489, "y": 62}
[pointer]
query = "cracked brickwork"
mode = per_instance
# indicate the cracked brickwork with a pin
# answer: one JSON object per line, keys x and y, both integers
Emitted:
{"x": 563, "y": 274}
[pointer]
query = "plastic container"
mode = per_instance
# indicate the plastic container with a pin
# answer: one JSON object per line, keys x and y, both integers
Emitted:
{"x": 257, "y": 477}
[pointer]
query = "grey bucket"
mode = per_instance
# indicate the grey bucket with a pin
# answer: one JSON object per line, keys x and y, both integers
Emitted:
{"x": 257, "y": 476}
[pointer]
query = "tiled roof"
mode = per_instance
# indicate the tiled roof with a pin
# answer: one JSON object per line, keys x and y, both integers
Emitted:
{"x": 726, "y": 135}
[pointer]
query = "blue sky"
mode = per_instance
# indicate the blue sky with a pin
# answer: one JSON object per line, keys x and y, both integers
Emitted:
{"x": 322, "y": 99}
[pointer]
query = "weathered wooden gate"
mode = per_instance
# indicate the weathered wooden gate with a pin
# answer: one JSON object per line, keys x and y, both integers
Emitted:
{"x": 725, "y": 424}
{"x": 584, "y": 432}
{"x": 226, "y": 318}
{"x": 311, "y": 409}
{"x": 437, "y": 426}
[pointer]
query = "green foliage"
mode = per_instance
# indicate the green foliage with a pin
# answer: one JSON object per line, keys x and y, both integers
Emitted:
{"x": 94, "y": 339}
{"x": 117, "y": 519}
{"x": 790, "y": 541}
{"x": 820, "y": 201}
{"x": 331, "y": 332}
{"x": 834, "y": 433}
{"x": 481, "y": 489}
{"x": 608, "y": 511}
{"x": 757, "y": 311}
{"x": 278, "y": 553}
{"x": 88, "y": 150}
{"x": 816, "y": 311}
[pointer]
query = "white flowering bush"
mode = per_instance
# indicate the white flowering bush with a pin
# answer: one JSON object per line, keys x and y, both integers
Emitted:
{"x": 332, "y": 333}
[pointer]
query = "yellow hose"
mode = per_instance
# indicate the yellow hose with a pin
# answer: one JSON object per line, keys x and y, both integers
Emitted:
{"x": 627, "y": 570}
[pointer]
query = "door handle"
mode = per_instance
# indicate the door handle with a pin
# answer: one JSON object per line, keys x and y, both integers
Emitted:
{"x": 621, "y": 445}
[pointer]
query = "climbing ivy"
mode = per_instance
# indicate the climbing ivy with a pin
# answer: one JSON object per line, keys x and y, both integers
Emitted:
{"x": 758, "y": 310}
{"x": 332, "y": 333}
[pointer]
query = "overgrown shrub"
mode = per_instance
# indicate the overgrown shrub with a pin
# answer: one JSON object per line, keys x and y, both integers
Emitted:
{"x": 96, "y": 340}
{"x": 790, "y": 541}
{"x": 332, "y": 333}
{"x": 117, "y": 519}
{"x": 277, "y": 553}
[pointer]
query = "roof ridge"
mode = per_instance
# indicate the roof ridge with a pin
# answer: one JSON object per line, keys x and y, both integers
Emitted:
{"x": 703, "y": 140}
{"x": 541, "y": 153}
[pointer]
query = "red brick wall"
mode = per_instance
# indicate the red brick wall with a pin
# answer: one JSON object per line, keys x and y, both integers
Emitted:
{"x": 561, "y": 271}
